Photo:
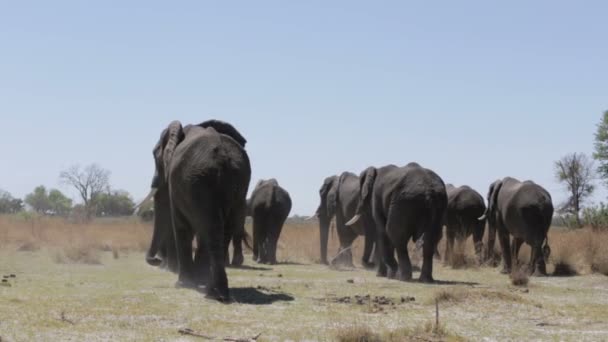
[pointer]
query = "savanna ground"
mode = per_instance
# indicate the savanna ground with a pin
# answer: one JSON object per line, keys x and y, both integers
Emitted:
{"x": 89, "y": 282}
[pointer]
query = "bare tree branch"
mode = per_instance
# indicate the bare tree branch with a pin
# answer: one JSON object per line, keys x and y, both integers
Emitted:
{"x": 576, "y": 172}
{"x": 89, "y": 182}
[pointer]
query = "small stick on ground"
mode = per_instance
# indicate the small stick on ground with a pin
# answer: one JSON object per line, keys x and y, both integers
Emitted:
{"x": 190, "y": 332}
{"x": 246, "y": 339}
{"x": 436, "y": 314}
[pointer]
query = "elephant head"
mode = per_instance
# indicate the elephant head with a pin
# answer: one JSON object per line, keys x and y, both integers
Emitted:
{"x": 366, "y": 185}
{"x": 326, "y": 211}
{"x": 492, "y": 198}
{"x": 163, "y": 154}
{"x": 225, "y": 129}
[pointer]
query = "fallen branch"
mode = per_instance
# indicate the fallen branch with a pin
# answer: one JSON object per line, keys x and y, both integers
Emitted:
{"x": 246, "y": 339}
{"x": 190, "y": 332}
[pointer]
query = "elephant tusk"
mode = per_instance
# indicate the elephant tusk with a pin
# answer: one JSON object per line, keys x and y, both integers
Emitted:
{"x": 353, "y": 220}
{"x": 483, "y": 217}
{"x": 145, "y": 200}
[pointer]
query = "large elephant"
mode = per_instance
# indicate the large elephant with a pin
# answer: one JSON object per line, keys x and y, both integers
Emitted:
{"x": 523, "y": 210}
{"x": 339, "y": 199}
{"x": 405, "y": 203}
{"x": 269, "y": 206}
{"x": 200, "y": 187}
{"x": 465, "y": 206}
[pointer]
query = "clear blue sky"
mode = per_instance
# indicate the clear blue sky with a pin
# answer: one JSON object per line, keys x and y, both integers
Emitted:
{"x": 473, "y": 90}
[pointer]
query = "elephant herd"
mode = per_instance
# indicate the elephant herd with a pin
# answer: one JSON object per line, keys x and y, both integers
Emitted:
{"x": 200, "y": 186}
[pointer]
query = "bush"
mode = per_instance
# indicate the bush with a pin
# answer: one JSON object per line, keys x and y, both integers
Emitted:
{"x": 596, "y": 217}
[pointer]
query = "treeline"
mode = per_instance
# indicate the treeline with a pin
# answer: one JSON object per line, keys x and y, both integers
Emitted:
{"x": 92, "y": 183}
{"x": 578, "y": 174}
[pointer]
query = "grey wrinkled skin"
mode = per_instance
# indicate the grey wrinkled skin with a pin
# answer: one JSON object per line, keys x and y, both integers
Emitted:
{"x": 339, "y": 197}
{"x": 202, "y": 176}
{"x": 465, "y": 207}
{"x": 523, "y": 210}
{"x": 405, "y": 203}
{"x": 269, "y": 206}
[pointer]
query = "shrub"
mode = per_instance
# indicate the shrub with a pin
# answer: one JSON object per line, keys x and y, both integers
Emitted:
{"x": 596, "y": 217}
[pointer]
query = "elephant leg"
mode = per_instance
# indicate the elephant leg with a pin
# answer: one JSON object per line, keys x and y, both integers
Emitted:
{"x": 256, "y": 240}
{"x": 346, "y": 237}
{"x": 449, "y": 248}
{"x": 478, "y": 239}
{"x": 537, "y": 261}
{"x": 389, "y": 259}
{"x": 276, "y": 236}
{"x": 183, "y": 247}
{"x": 236, "y": 228}
{"x": 491, "y": 241}
{"x": 201, "y": 262}
{"x": 380, "y": 226}
{"x": 405, "y": 265}
{"x": 428, "y": 249}
{"x": 367, "y": 249}
{"x": 515, "y": 250}
{"x": 213, "y": 233}
{"x": 503, "y": 235}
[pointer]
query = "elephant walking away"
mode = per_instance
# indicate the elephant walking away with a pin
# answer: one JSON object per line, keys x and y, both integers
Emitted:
{"x": 523, "y": 210}
{"x": 465, "y": 206}
{"x": 269, "y": 206}
{"x": 339, "y": 199}
{"x": 200, "y": 188}
{"x": 405, "y": 203}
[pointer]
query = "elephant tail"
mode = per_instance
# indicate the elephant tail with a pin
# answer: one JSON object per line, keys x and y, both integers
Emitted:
{"x": 246, "y": 238}
{"x": 546, "y": 248}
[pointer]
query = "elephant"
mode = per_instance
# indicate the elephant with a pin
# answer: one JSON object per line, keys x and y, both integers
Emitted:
{"x": 465, "y": 206}
{"x": 269, "y": 206}
{"x": 339, "y": 198}
{"x": 200, "y": 186}
{"x": 523, "y": 210}
{"x": 405, "y": 203}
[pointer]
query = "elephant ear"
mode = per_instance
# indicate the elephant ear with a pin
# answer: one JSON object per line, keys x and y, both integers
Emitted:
{"x": 226, "y": 129}
{"x": 325, "y": 207}
{"x": 493, "y": 196}
{"x": 164, "y": 149}
{"x": 366, "y": 182}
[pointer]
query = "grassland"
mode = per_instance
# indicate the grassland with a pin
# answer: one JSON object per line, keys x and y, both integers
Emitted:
{"x": 90, "y": 282}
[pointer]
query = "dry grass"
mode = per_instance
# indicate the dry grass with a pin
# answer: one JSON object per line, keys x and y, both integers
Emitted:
{"x": 128, "y": 300}
{"x": 459, "y": 295}
{"x": 31, "y": 233}
{"x": 84, "y": 254}
{"x": 426, "y": 332}
{"x": 463, "y": 256}
{"x": 357, "y": 333}
{"x": 573, "y": 251}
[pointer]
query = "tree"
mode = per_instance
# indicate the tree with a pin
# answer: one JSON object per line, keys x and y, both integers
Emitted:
{"x": 601, "y": 147}
{"x": 89, "y": 182}
{"x": 59, "y": 203}
{"x": 9, "y": 204}
{"x": 113, "y": 203}
{"x": 576, "y": 172}
{"x": 39, "y": 200}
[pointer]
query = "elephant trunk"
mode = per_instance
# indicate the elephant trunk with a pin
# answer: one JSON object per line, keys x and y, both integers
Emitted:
{"x": 324, "y": 222}
{"x": 162, "y": 226}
